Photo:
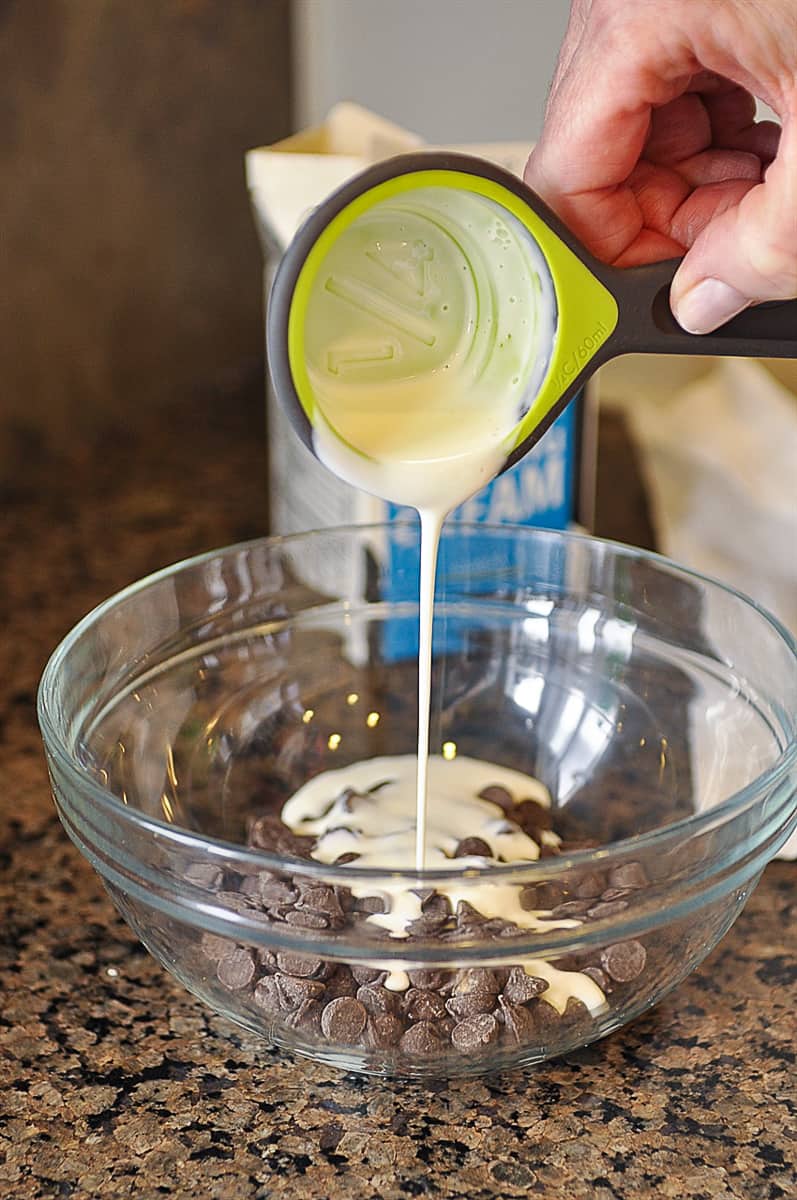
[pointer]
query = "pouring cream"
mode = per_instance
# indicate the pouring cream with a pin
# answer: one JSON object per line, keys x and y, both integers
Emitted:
{"x": 427, "y": 335}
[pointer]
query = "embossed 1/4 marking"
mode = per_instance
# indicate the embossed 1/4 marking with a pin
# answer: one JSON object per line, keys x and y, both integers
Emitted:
{"x": 379, "y": 304}
{"x": 340, "y": 358}
{"x": 412, "y": 270}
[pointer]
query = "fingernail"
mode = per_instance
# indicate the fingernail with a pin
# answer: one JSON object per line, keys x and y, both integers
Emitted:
{"x": 708, "y": 305}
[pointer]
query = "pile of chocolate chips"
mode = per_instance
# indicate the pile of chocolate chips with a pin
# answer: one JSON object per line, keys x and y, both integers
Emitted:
{"x": 469, "y": 1009}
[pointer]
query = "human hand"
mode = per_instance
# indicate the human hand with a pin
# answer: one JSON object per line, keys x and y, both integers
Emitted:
{"x": 650, "y": 148}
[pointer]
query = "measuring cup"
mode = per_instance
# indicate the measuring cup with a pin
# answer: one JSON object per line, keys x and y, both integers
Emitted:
{"x": 441, "y": 262}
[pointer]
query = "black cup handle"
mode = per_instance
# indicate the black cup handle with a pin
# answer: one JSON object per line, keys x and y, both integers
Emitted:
{"x": 647, "y": 326}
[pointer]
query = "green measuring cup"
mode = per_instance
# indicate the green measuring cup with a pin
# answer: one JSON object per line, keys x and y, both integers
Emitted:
{"x": 441, "y": 262}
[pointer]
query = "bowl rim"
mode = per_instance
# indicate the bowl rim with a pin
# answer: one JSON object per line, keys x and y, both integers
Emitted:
{"x": 625, "y": 848}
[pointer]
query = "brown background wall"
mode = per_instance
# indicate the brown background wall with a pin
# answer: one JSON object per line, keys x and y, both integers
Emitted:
{"x": 129, "y": 269}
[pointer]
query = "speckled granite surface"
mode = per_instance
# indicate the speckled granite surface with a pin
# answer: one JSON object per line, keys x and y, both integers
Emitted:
{"x": 116, "y": 1083}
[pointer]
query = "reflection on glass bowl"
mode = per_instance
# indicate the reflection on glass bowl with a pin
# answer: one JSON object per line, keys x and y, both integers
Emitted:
{"x": 657, "y": 708}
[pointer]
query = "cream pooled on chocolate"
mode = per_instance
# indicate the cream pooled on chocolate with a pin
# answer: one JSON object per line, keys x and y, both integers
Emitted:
{"x": 368, "y": 809}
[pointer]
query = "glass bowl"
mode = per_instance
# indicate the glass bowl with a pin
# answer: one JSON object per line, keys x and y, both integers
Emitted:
{"x": 657, "y": 707}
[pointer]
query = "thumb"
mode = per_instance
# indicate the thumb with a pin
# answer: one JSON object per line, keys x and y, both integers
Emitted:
{"x": 747, "y": 253}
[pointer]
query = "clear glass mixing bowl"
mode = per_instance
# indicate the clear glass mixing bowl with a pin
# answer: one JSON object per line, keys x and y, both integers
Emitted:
{"x": 658, "y": 707}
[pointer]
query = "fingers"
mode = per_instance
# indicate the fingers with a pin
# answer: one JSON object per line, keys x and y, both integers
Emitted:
{"x": 719, "y": 166}
{"x": 693, "y": 123}
{"x": 747, "y": 252}
{"x": 600, "y": 112}
{"x": 703, "y": 206}
{"x": 673, "y": 213}
{"x": 731, "y": 111}
{"x": 678, "y": 130}
{"x": 659, "y": 192}
{"x": 649, "y": 247}
{"x": 761, "y": 139}
{"x": 650, "y": 144}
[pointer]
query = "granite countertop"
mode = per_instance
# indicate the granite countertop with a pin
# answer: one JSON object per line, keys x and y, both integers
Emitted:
{"x": 117, "y": 1083}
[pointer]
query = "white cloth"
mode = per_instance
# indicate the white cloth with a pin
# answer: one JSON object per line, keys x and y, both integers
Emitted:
{"x": 720, "y": 459}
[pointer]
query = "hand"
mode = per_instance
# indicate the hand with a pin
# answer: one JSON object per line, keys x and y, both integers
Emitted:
{"x": 650, "y": 147}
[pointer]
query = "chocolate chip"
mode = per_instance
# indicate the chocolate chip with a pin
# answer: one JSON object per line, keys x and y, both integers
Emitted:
{"x": 532, "y": 816}
{"x": 576, "y": 1012}
{"x": 297, "y": 964}
{"x": 597, "y": 976}
{"x": 474, "y": 1033}
{"x": 628, "y": 875}
{"x": 425, "y": 977}
{"x": 436, "y": 906}
{"x": 267, "y": 996}
{"x": 345, "y": 859}
{"x": 469, "y": 1005}
{"x": 624, "y": 961}
{"x": 341, "y": 983}
{"x": 421, "y": 1005}
{"x": 343, "y": 1020}
{"x": 574, "y": 845}
{"x": 307, "y": 1017}
{"x": 590, "y": 886}
{"x": 518, "y": 1020}
{"x": 263, "y": 831}
{"x": 498, "y": 795}
{"x": 421, "y": 1040}
{"x": 511, "y": 930}
{"x": 425, "y": 927}
{"x": 204, "y": 875}
{"x": 294, "y": 990}
{"x": 250, "y": 888}
{"x": 304, "y": 919}
{"x": 496, "y": 928}
{"x": 544, "y": 897}
{"x": 382, "y": 1030}
{"x": 571, "y": 908}
{"x": 608, "y": 908}
{"x": 520, "y": 987}
{"x": 214, "y": 947}
{"x": 546, "y": 1018}
{"x": 371, "y": 904}
{"x": 472, "y": 847}
{"x": 320, "y": 899}
{"x": 366, "y": 974}
{"x": 235, "y": 901}
{"x": 476, "y": 979}
{"x": 275, "y": 892}
{"x": 469, "y": 917}
{"x": 236, "y": 970}
{"x": 376, "y": 999}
